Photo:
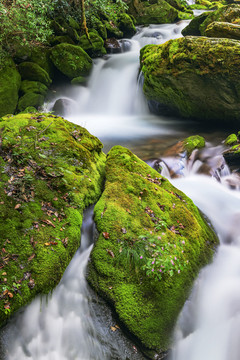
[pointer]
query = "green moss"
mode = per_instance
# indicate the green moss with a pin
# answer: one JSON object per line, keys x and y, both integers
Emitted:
{"x": 30, "y": 99}
{"x": 192, "y": 143}
{"x": 10, "y": 80}
{"x": 229, "y": 13}
{"x": 33, "y": 87}
{"x": 96, "y": 48}
{"x": 126, "y": 25}
{"x": 71, "y": 60}
{"x": 33, "y": 72}
{"x": 231, "y": 140}
{"x": 51, "y": 170}
{"x": 159, "y": 13}
{"x": 134, "y": 206}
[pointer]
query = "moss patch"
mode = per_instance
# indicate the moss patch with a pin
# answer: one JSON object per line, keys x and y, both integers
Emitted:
{"x": 10, "y": 80}
{"x": 50, "y": 170}
{"x": 138, "y": 212}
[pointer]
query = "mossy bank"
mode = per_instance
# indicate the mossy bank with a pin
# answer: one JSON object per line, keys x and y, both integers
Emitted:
{"x": 50, "y": 170}
{"x": 152, "y": 243}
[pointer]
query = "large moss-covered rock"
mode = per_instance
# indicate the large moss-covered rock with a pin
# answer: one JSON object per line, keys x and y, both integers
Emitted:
{"x": 194, "y": 77}
{"x": 51, "y": 170}
{"x": 148, "y": 231}
{"x": 96, "y": 47}
{"x": 228, "y": 13}
{"x": 33, "y": 72}
{"x": 10, "y": 80}
{"x": 34, "y": 87}
{"x": 126, "y": 25}
{"x": 30, "y": 99}
{"x": 223, "y": 30}
{"x": 193, "y": 27}
{"x": 71, "y": 60}
{"x": 158, "y": 13}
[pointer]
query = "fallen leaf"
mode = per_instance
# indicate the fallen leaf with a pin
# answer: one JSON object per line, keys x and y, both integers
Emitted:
{"x": 113, "y": 328}
{"x": 129, "y": 211}
{"x": 10, "y": 294}
{"x": 47, "y": 244}
{"x": 106, "y": 235}
{"x": 110, "y": 253}
{"x": 31, "y": 257}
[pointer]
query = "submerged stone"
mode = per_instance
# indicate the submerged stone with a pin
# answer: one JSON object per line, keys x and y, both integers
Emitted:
{"x": 51, "y": 170}
{"x": 152, "y": 242}
{"x": 194, "y": 77}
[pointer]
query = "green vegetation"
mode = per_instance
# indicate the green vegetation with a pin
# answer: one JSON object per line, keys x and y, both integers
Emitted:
{"x": 148, "y": 231}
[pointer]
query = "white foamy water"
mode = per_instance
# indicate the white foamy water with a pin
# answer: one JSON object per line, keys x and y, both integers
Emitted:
{"x": 209, "y": 325}
{"x": 112, "y": 105}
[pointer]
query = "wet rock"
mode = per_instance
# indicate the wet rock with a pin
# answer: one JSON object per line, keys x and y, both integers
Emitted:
{"x": 112, "y": 46}
{"x": 63, "y": 106}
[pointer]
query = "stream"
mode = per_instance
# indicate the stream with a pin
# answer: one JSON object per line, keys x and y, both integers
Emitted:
{"x": 72, "y": 323}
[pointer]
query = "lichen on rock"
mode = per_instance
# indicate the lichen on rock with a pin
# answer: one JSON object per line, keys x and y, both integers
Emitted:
{"x": 148, "y": 231}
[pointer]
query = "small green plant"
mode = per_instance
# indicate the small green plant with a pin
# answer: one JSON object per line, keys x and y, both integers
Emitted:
{"x": 153, "y": 256}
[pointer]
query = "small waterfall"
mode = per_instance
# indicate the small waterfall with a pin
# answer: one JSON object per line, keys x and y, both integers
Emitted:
{"x": 112, "y": 103}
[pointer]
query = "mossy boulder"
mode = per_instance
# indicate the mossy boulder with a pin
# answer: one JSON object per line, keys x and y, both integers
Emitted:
{"x": 148, "y": 232}
{"x": 51, "y": 170}
{"x": 30, "y": 99}
{"x": 99, "y": 26}
{"x": 10, "y": 81}
{"x": 33, "y": 72}
{"x": 228, "y": 13}
{"x": 126, "y": 25}
{"x": 33, "y": 87}
{"x": 194, "y": 77}
{"x": 71, "y": 60}
{"x": 112, "y": 30}
{"x": 223, "y": 30}
{"x": 193, "y": 27}
{"x": 96, "y": 47}
{"x": 159, "y": 13}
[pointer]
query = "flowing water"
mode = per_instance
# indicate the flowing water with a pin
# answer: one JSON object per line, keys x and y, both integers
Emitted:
{"x": 73, "y": 323}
